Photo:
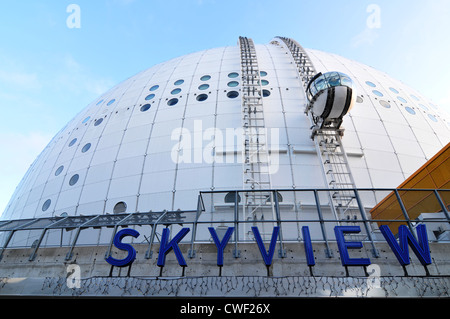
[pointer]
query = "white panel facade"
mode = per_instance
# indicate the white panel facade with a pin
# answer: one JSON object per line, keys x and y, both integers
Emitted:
{"x": 157, "y": 139}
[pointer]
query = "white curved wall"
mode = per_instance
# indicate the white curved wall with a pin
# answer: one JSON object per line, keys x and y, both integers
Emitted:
{"x": 130, "y": 158}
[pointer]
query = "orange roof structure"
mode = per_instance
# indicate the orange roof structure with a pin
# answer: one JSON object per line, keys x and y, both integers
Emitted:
{"x": 434, "y": 174}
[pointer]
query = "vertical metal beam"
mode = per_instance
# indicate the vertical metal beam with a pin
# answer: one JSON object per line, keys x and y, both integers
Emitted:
{"x": 191, "y": 253}
{"x": 441, "y": 203}
{"x": 405, "y": 213}
{"x": 8, "y": 239}
{"x": 236, "y": 252}
{"x": 69, "y": 253}
{"x": 328, "y": 251}
{"x": 282, "y": 251}
{"x": 149, "y": 253}
{"x": 33, "y": 254}
{"x": 366, "y": 224}
{"x": 79, "y": 228}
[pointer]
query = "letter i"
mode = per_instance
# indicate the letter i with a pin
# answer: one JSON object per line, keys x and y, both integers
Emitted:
{"x": 308, "y": 246}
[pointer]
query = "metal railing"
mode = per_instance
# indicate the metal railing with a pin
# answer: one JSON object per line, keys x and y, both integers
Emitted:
{"x": 293, "y": 209}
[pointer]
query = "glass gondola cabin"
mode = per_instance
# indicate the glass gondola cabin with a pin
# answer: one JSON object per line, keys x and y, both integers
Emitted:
{"x": 331, "y": 95}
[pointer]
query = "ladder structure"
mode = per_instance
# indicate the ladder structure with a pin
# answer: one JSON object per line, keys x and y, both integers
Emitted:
{"x": 306, "y": 69}
{"x": 328, "y": 143}
{"x": 338, "y": 176}
{"x": 258, "y": 203}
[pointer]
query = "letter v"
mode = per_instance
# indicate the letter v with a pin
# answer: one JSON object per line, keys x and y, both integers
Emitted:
{"x": 267, "y": 256}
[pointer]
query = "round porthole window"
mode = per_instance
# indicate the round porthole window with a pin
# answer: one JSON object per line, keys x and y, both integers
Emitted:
{"x": 401, "y": 99}
{"x": 266, "y": 93}
{"x": 178, "y": 82}
{"x": 72, "y": 142}
{"x": 415, "y": 97}
{"x": 203, "y": 87}
{"x": 86, "y": 148}
{"x": 202, "y": 97}
{"x": 120, "y": 207}
{"x": 424, "y": 107}
{"x": 385, "y": 104}
{"x": 145, "y": 107}
{"x": 86, "y": 119}
{"x": 377, "y": 93}
{"x": 263, "y": 73}
{"x": 393, "y": 90}
{"x": 111, "y": 102}
{"x": 99, "y": 102}
{"x": 98, "y": 122}
{"x": 175, "y": 91}
{"x": 74, "y": 179}
{"x": 59, "y": 170}
{"x": 233, "y": 83}
{"x": 233, "y": 75}
{"x": 264, "y": 82}
{"x": 172, "y": 102}
{"x": 205, "y": 77}
{"x": 370, "y": 84}
{"x": 46, "y": 205}
{"x": 232, "y": 94}
{"x": 154, "y": 88}
{"x": 410, "y": 110}
{"x": 432, "y": 117}
{"x": 149, "y": 97}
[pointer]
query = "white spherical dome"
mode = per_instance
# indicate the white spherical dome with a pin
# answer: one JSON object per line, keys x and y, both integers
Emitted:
{"x": 121, "y": 153}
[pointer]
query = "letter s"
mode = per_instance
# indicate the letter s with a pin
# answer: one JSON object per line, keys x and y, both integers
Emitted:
{"x": 118, "y": 243}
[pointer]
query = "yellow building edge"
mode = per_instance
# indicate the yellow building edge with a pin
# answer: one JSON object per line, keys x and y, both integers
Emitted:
{"x": 434, "y": 174}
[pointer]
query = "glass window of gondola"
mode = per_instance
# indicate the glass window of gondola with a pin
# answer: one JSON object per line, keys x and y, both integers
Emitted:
{"x": 312, "y": 90}
{"x": 345, "y": 80}
{"x": 333, "y": 79}
{"x": 320, "y": 83}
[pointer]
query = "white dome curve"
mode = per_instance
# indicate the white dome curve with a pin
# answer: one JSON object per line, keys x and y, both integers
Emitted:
{"x": 122, "y": 148}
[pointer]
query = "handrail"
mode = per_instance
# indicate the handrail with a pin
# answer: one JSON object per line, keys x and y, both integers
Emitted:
{"x": 193, "y": 217}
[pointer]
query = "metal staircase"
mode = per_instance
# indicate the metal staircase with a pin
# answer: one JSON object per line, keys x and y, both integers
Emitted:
{"x": 334, "y": 162}
{"x": 256, "y": 161}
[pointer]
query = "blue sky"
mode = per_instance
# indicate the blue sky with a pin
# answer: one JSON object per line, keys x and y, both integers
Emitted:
{"x": 49, "y": 72}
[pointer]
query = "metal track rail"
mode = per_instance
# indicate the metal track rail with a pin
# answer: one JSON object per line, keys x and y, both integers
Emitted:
{"x": 305, "y": 67}
{"x": 336, "y": 171}
{"x": 256, "y": 161}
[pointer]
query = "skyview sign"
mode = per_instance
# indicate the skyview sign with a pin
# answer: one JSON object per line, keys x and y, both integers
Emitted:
{"x": 419, "y": 246}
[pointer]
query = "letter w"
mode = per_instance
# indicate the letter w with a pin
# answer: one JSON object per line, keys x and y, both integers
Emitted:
{"x": 421, "y": 248}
